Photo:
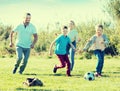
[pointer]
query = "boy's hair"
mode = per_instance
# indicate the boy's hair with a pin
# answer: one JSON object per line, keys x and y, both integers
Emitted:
{"x": 65, "y": 27}
{"x": 100, "y": 26}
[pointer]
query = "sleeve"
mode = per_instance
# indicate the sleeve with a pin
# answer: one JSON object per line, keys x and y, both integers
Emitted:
{"x": 34, "y": 31}
{"x": 106, "y": 41}
{"x": 58, "y": 39}
{"x": 16, "y": 29}
{"x": 89, "y": 43}
{"x": 77, "y": 38}
{"x": 69, "y": 41}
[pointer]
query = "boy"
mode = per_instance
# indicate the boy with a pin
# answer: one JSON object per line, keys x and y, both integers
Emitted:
{"x": 99, "y": 42}
{"x": 61, "y": 43}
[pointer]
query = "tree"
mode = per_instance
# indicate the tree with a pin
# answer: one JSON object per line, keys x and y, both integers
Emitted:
{"x": 112, "y": 7}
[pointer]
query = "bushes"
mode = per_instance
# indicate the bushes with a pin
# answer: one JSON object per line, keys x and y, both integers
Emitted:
{"x": 85, "y": 30}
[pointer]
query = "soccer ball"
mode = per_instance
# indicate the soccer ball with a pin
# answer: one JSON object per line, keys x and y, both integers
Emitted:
{"x": 89, "y": 76}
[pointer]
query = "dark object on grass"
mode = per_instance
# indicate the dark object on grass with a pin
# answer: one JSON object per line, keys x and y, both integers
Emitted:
{"x": 33, "y": 82}
{"x": 111, "y": 50}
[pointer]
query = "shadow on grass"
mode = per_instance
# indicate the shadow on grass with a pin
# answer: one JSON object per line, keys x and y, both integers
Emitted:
{"x": 57, "y": 74}
{"x": 25, "y": 89}
{"x": 40, "y": 89}
{"x": 112, "y": 74}
{"x": 30, "y": 74}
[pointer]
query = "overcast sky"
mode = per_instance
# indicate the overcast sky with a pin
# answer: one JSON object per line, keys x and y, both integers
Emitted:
{"x": 49, "y": 11}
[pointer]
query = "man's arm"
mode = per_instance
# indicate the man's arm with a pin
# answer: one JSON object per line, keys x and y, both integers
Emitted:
{"x": 35, "y": 40}
{"x": 11, "y": 40}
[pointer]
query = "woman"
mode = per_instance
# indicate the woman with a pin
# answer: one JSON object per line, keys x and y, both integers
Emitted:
{"x": 73, "y": 35}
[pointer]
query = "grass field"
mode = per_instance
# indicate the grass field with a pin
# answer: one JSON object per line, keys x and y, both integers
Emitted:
{"x": 41, "y": 67}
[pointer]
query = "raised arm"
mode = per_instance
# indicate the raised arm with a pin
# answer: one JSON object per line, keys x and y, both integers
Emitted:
{"x": 72, "y": 46}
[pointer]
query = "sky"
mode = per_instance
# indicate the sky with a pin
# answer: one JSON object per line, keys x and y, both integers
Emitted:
{"x": 46, "y": 12}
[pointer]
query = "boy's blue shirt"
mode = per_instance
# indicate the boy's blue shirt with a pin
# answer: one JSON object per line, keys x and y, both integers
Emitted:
{"x": 92, "y": 41}
{"x": 61, "y": 43}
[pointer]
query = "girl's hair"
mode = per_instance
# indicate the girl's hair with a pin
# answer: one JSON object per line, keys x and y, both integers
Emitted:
{"x": 28, "y": 14}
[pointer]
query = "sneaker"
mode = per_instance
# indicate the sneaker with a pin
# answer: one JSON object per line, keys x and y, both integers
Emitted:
{"x": 98, "y": 75}
{"x": 69, "y": 75}
{"x": 14, "y": 71}
{"x": 20, "y": 72}
{"x": 55, "y": 69}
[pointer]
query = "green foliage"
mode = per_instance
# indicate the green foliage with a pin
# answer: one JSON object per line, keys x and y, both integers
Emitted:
{"x": 113, "y": 8}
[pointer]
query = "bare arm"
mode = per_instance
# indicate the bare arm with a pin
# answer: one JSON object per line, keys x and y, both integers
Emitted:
{"x": 72, "y": 46}
{"x": 35, "y": 40}
{"x": 11, "y": 40}
{"x": 50, "y": 51}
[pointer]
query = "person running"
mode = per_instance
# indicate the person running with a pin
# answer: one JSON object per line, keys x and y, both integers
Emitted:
{"x": 61, "y": 43}
{"x": 24, "y": 42}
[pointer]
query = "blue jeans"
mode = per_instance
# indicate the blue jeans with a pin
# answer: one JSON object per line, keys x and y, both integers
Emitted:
{"x": 100, "y": 56}
{"x": 71, "y": 54}
{"x": 20, "y": 52}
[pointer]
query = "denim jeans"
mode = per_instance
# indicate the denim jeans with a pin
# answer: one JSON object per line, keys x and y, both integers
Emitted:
{"x": 20, "y": 52}
{"x": 71, "y": 54}
{"x": 100, "y": 56}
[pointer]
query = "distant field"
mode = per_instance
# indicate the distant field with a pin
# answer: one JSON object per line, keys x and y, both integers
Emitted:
{"x": 41, "y": 67}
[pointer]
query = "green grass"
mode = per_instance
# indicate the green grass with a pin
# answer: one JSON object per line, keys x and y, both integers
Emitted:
{"x": 41, "y": 67}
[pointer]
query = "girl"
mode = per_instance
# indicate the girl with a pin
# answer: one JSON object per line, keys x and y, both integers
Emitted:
{"x": 99, "y": 42}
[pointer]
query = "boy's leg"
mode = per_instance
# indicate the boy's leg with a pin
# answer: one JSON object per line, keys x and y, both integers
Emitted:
{"x": 19, "y": 51}
{"x": 68, "y": 65}
{"x": 62, "y": 62}
{"x": 26, "y": 53}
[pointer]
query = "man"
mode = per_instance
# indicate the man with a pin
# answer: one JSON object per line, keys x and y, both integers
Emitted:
{"x": 24, "y": 42}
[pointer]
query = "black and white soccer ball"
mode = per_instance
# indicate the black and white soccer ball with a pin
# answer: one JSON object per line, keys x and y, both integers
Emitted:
{"x": 89, "y": 76}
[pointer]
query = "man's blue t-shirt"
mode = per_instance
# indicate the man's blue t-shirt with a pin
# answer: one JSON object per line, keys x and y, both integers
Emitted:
{"x": 24, "y": 35}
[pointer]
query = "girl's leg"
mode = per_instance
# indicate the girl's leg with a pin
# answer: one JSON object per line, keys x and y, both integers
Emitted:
{"x": 100, "y": 61}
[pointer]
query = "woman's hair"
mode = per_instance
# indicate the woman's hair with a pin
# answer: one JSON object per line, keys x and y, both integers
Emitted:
{"x": 72, "y": 22}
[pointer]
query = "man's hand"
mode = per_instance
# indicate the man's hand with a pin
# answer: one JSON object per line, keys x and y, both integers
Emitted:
{"x": 32, "y": 46}
{"x": 11, "y": 44}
